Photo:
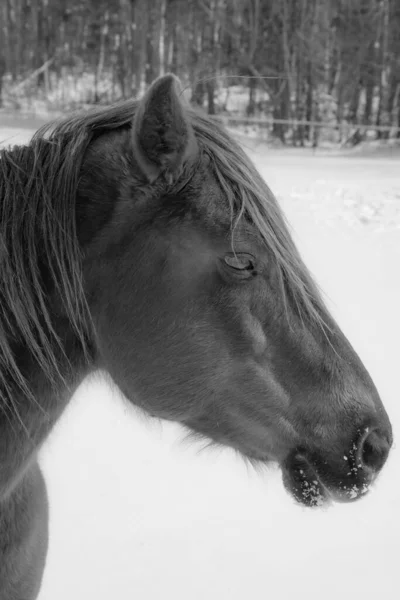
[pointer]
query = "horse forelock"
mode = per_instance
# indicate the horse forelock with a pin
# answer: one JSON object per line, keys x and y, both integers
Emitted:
{"x": 250, "y": 198}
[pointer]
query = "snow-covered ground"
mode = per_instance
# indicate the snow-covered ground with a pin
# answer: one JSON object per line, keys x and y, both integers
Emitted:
{"x": 138, "y": 513}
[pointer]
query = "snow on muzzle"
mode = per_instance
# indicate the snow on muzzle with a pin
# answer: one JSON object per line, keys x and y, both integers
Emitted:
{"x": 314, "y": 478}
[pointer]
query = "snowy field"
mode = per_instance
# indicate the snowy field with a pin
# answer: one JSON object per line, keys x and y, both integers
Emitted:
{"x": 137, "y": 512}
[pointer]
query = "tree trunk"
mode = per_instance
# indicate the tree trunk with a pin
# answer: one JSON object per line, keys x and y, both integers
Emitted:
{"x": 2, "y": 73}
{"x": 210, "y": 85}
{"x": 141, "y": 31}
{"x": 251, "y": 106}
{"x": 280, "y": 112}
{"x": 198, "y": 93}
{"x": 369, "y": 83}
{"x": 354, "y": 103}
{"x": 310, "y": 101}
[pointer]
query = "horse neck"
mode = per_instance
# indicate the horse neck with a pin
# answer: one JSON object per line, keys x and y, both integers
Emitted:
{"x": 26, "y": 421}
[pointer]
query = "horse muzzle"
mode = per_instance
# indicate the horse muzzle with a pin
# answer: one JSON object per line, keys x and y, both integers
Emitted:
{"x": 314, "y": 478}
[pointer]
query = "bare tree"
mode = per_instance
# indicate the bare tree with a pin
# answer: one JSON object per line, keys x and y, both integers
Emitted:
{"x": 300, "y": 53}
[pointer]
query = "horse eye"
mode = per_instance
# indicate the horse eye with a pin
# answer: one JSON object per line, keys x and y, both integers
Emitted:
{"x": 240, "y": 262}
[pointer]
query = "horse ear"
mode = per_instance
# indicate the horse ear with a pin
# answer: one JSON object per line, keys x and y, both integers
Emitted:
{"x": 162, "y": 136}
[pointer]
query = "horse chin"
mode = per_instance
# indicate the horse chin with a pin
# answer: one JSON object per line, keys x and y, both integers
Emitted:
{"x": 302, "y": 482}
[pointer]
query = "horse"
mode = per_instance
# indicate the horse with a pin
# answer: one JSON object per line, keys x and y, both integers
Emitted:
{"x": 139, "y": 239}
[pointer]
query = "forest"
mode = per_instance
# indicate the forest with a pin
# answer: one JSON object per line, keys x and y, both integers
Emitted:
{"x": 295, "y": 63}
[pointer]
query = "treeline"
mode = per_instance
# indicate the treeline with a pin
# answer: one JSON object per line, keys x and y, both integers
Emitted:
{"x": 310, "y": 60}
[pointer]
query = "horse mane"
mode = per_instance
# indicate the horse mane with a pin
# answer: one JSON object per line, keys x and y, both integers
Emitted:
{"x": 38, "y": 188}
{"x": 39, "y": 252}
{"x": 250, "y": 197}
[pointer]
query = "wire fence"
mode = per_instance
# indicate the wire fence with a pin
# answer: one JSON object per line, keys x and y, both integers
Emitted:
{"x": 297, "y": 132}
{"x": 312, "y": 132}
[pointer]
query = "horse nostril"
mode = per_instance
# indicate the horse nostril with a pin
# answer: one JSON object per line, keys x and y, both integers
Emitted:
{"x": 373, "y": 450}
{"x": 367, "y": 454}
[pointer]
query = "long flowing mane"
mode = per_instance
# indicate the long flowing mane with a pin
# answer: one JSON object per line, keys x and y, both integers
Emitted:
{"x": 39, "y": 252}
{"x": 38, "y": 241}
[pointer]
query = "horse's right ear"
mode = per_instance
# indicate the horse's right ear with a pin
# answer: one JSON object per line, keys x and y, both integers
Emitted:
{"x": 162, "y": 136}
